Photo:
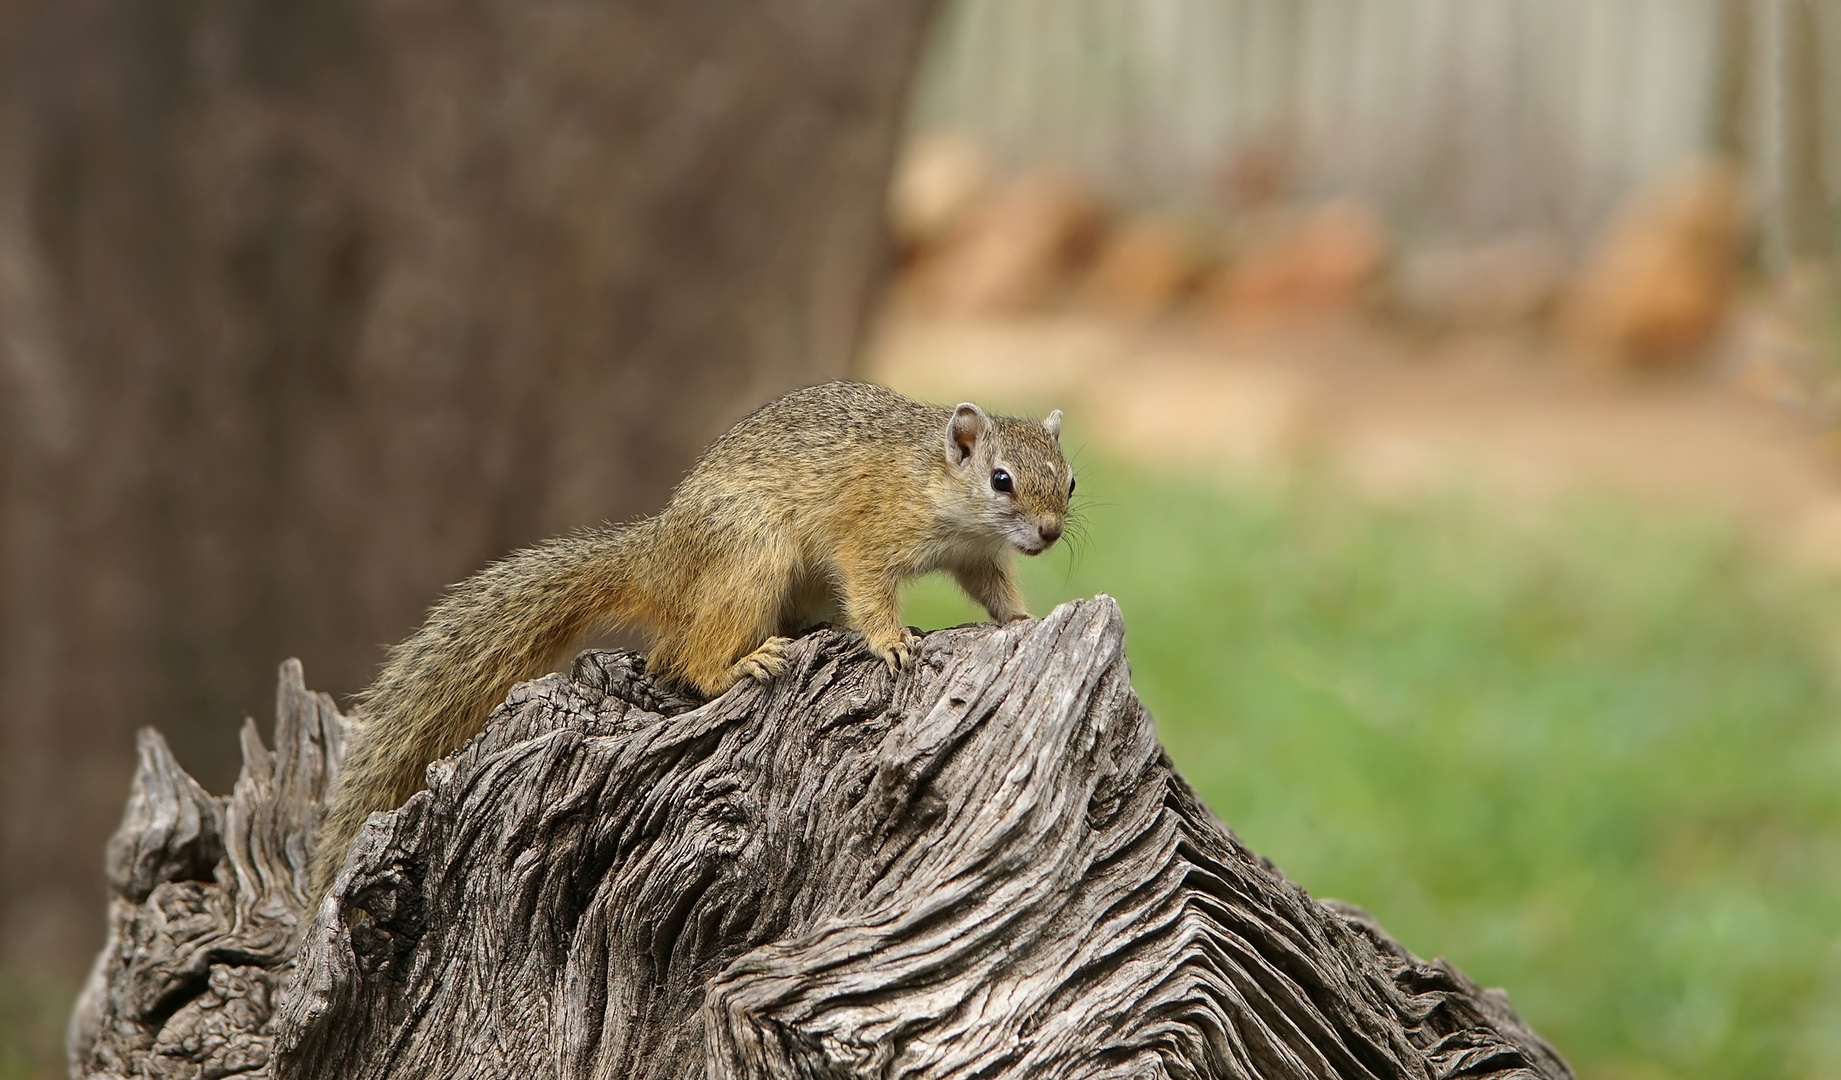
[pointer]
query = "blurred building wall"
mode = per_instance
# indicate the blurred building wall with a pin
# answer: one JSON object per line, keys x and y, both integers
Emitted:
{"x": 1456, "y": 117}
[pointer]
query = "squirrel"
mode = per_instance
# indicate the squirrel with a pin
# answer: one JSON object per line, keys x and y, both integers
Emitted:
{"x": 819, "y": 504}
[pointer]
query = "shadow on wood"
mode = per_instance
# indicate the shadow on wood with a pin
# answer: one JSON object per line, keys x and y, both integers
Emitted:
{"x": 985, "y": 866}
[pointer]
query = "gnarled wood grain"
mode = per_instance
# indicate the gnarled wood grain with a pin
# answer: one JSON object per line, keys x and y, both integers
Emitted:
{"x": 984, "y": 867}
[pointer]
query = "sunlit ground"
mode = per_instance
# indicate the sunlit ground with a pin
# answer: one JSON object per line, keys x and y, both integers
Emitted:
{"x": 1594, "y": 760}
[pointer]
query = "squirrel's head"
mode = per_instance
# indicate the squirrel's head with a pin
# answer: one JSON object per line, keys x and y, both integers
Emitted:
{"x": 1013, "y": 480}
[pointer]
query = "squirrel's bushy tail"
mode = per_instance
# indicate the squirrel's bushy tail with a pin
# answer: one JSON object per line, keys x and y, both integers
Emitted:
{"x": 506, "y": 624}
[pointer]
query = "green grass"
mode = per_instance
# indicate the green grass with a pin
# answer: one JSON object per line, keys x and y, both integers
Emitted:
{"x": 32, "y": 1015}
{"x": 1596, "y": 761}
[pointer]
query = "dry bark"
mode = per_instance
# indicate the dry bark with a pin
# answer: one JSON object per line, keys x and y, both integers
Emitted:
{"x": 983, "y": 867}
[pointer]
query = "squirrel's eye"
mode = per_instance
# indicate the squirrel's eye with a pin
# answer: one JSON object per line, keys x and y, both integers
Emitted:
{"x": 1070, "y": 485}
{"x": 1000, "y": 481}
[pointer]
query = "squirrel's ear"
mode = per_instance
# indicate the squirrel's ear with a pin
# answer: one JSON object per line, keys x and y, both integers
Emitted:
{"x": 1053, "y": 424}
{"x": 962, "y": 431}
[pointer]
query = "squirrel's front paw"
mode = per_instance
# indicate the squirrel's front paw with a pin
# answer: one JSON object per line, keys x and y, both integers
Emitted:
{"x": 896, "y": 652}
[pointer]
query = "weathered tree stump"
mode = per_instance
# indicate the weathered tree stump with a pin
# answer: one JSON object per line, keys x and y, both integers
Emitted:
{"x": 983, "y": 867}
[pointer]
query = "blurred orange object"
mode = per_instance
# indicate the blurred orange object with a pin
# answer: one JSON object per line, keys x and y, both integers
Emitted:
{"x": 1507, "y": 281}
{"x": 1015, "y": 250}
{"x": 1327, "y": 257}
{"x": 1657, "y": 286}
{"x": 1144, "y": 267}
{"x": 938, "y": 178}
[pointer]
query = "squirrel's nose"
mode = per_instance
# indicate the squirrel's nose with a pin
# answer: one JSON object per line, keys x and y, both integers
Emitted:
{"x": 1050, "y": 532}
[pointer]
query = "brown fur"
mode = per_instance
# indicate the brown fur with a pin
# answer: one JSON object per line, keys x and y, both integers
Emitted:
{"x": 816, "y": 506}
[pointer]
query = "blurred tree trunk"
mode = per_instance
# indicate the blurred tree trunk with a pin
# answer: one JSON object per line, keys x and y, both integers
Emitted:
{"x": 308, "y": 309}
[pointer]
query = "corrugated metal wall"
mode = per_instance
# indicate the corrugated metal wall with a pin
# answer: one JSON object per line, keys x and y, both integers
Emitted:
{"x": 1458, "y": 117}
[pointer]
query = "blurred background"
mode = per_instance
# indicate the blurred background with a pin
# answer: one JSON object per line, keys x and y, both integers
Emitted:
{"x": 1455, "y": 388}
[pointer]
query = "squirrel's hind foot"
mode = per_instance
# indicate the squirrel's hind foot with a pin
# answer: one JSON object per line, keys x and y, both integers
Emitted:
{"x": 763, "y": 664}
